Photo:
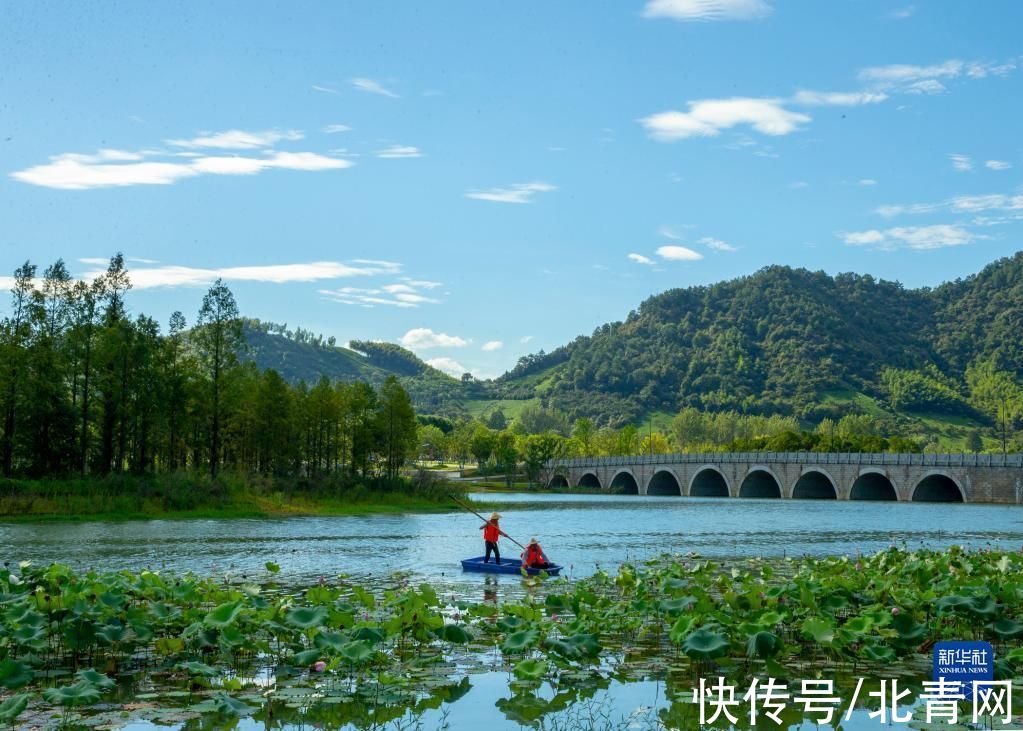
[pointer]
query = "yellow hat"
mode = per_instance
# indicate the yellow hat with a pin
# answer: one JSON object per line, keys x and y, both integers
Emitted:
{"x": 495, "y": 516}
{"x": 533, "y": 541}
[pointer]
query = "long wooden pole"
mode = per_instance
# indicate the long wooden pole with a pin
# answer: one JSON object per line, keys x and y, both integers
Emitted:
{"x": 466, "y": 507}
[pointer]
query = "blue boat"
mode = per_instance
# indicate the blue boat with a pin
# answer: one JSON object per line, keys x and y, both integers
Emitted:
{"x": 507, "y": 566}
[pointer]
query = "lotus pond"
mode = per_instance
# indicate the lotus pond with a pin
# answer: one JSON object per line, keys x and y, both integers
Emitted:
{"x": 612, "y": 650}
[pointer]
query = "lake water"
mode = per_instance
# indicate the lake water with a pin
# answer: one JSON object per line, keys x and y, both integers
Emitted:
{"x": 579, "y": 531}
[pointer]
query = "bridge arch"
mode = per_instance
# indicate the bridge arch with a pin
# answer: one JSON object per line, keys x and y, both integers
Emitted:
{"x": 708, "y": 481}
{"x": 664, "y": 482}
{"x": 624, "y": 483}
{"x": 558, "y": 481}
{"x": 937, "y": 486}
{"x": 760, "y": 481}
{"x": 873, "y": 484}
{"x": 815, "y": 484}
{"x": 590, "y": 480}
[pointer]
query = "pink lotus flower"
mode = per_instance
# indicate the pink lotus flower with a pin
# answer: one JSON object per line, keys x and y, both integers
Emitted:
{"x": 319, "y": 666}
{"x": 895, "y": 611}
{"x": 859, "y": 566}
{"x": 323, "y": 581}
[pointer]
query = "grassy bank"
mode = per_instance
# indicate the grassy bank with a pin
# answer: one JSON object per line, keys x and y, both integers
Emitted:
{"x": 185, "y": 496}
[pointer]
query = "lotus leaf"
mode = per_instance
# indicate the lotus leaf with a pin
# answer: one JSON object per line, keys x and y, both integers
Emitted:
{"x": 82, "y": 693}
{"x": 454, "y": 633}
{"x": 703, "y": 644}
{"x": 14, "y": 675}
{"x": 13, "y": 707}
{"x": 224, "y": 615}
{"x": 98, "y": 680}
{"x": 520, "y": 641}
{"x": 821, "y": 630}
{"x": 356, "y": 652}
{"x": 763, "y": 645}
{"x": 531, "y": 669}
{"x": 306, "y": 617}
{"x": 1006, "y": 628}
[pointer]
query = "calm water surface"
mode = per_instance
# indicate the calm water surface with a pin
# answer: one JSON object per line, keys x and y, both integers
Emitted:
{"x": 579, "y": 531}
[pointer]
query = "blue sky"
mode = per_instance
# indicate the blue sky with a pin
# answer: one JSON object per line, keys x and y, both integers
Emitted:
{"x": 482, "y": 180}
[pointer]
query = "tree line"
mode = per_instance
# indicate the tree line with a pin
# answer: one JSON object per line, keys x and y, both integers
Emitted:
{"x": 88, "y": 389}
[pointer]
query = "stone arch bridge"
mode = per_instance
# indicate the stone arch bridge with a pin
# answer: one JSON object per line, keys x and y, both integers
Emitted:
{"x": 807, "y": 475}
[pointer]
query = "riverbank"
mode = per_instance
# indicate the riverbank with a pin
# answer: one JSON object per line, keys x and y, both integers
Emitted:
{"x": 186, "y": 497}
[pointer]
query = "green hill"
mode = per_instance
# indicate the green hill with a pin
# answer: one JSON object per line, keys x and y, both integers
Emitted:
{"x": 301, "y": 357}
{"x": 782, "y": 340}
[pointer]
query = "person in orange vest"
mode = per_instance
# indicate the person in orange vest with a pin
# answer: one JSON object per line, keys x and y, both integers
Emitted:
{"x": 491, "y": 533}
{"x": 533, "y": 556}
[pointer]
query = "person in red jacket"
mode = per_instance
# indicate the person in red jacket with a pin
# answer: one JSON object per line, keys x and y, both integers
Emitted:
{"x": 533, "y": 556}
{"x": 491, "y": 533}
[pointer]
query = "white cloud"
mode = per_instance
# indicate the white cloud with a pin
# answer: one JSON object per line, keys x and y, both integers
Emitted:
{"x": 118, "y": 168}
{"x": 717, "y": 244}
{"x": 492, "y": 345}
{"x": 324, "y": 89}
{"x": 707, "y": 117}
{"x": 668, "y": 233}
{"x": 962, "y": 163}
{"x": 373, "y": 87}
{"x": 920, "y": 238}
{"x": 678, "y": 253}
{"x": 331, "y": 129}
{"x": 399, "y": 151}
{"x": 148, "y": 277}
{"x": 997, "y": 165}
{"x": 838, "y": 98}
{"x": 901, "y": 13}
{"x": 867, "y": 181}
{"x": 236, "y": 139}
{"x": 900, "y": 74}
{"x": 525, "y": 339}
{"x": 957, "y": 204}
{"x": 517, "y": 193}
{"x": 423, "y": 338}
{"x": 449, "y": 365}
{"x": 694, "y": 10}
{"x": 640, "y": 259}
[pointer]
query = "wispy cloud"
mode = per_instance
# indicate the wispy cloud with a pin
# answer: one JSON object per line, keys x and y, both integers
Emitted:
{"x": 373, "y": 87}
{"x": 424, "y": 338}
{"x": 901, "y": 13}
{"x": 956, "y": 204}
{"x": 399, "y": 151}
{"x": 704, "y": 10}
{"x": 678, "y": 253}
{"x": 324, "y": 89}
{"x": 331, "y": 129}
{"x": 708, "y": 117}
{"x": 866, "y": 181}
{"x": 962, "y": 163}
{"x": 997, "y": 165}
{"x": 717, "y": 244}
{"x": 406, "y": 293}
{"x": 919, "y": 238}
{"x": 640, "y": 259}
{"x": 448, "y": 365}
{"x": 516, "y": 193}
{"x": 492, "y": 345}
{"x": 913, "y": 79}
{"x": 525, "y": 339}
{"x": 117, "y": 168}
{"x": 838, "y": 98}
{"x": 170, "y": 275}
{"x": 236, "y": 139}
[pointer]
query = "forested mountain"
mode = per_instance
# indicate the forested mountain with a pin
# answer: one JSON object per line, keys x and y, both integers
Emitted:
{"x": 780, "y": 341}
{"x": 785, "y": 341}
{"x": 300, "y": 356}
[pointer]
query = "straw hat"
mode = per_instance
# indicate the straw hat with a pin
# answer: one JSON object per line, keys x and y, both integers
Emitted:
{"x": 533, "y": 541}
{"x": 495, "y": 516}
